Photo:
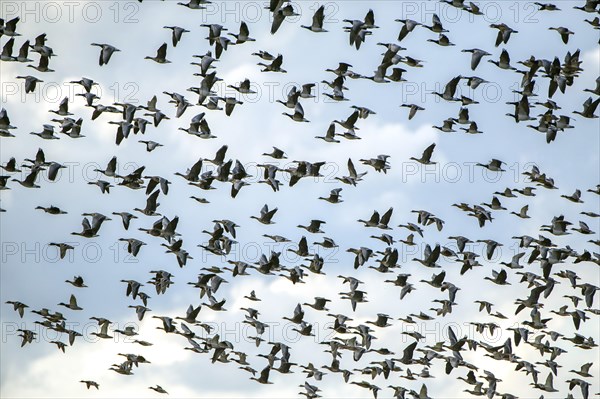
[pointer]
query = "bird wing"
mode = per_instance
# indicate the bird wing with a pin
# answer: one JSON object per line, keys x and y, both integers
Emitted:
{"x": 428, "y": 152}
{"x": 317, "y": 21}
{"x": 161, "y": 53}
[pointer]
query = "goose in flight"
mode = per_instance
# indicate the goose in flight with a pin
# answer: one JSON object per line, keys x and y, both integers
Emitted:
{"x": 319, "y": 304}
{"x": 563, "y": 32}
{"x": 127, "y": 331}
{"x": 380, "y": 164}
{"x": 317, "y": 21}
{"x": 575, "y": 197}
{"x": 60, "y": 345}
{"x": 41, "y": 48}
{"x": 150, "y": 145}
{"x": 436, "y": 25}
{"x": 264, "y": 376}
{"x": 151, "y": 205}
{"x": 52, "y": 210}
{"x": 343, "y": 69}
{"x": 583, "y": 228}
{"x": 86, "y": 83}
{"x": 63, "y": 248}
{"x": 548, "y": 386}
{"x": 221, "y": 44}
{"x": 177, "y": 33}
{"x": 353, "y": 177}
{"x": 413, "y": 109}
{"x": 133, "y": 245}
{"x": 47, "y": 133}
{"x": 349, "y": 135}
{"x": 215, "y": 305}
{"x": 596, "y": 90}
{"x": 547, "y": 6}
{"x": 103, "y": 184}
{"x": 298, "y": 115}
{"x": 358, "y": 31}
{"x": 157, "y": 181}
{"x": 244, "y": 34}
{"x": 472, "y": 129}
{"x": 72, "y": 304}
{"x": 334, "y": 196}
{"x": 243, "y": 88}
{"x": 5, "y": 125}
{"x": 377, "y": 221}
{"x": 476, "y": 56}
{"x": 123, "y": 368}
{"x": 589, "y": 108}
{"x": 77, "y": 282}
{"x": 214, "y": 32}
{"x": 584, "y": 370}
{"x": 106, "y": 52}
{"x": 274, "y": 66}
{"x": 412, "y": 227}
{"x": 522, "y": 213}
{"x": 3, "y": 181}
{"x": 369, "y": 21}
{"x": 252, "y": 297}
{"x": 504, "y": 32}
{"x": 29, "y": 181}
{"x": 158, "y": 389}
{"x": 442, "y": 40}
{"x": 412, "y": 62}
{"x": 363, "y": 112}
{"x": 89, "y": 384}
{"x": 91, "y": 230}
{"x": 42, "y": 65}
{"x": 503, "y": 62}
{"x": 521, "y": 110}
{"x": 450, "y": 89}
{"x": 429, "y": 256}
{"x": 408, "y": 26}
{"x": 292, "y": 98}
{"x": 195, "y": 4}
{"x": 265, "y": 215}
{"x": 276, "y": 154}
{"x": 30, "y": 82}
{"x": 314, "y": 226}
{"x": 18, "y": 307}
{"x": 355, "y": 297}
{"x": 205, "y": 63}
{"x": 426, "y": 156}
{"x": 27, "y": 336}
{"x": 265, "y": 55}
{"x": 126, "y": 218}
{"x": 9, "y": 28}
{"x": 191, "y": 314}
{"x": 279, "y": 16}
{"x": 219, "y": 158}
{"x": 11, "y": 166}
{"x": 161, "y": 55}
{"x": 230, "y": 103}
{"x": 527, "y": 191}
{"x": 330, "y": 135}
{"x": 494, "y": 165}
{"x": 495, "y": 204}
{"x": 327, "y": 243}
{"x": 338, "y": 93}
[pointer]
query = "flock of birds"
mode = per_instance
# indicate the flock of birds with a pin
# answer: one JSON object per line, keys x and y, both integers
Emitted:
{"x": 540, "y": 267}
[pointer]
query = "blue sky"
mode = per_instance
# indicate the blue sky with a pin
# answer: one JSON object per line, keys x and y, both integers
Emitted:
{"x": 31, "y": 272}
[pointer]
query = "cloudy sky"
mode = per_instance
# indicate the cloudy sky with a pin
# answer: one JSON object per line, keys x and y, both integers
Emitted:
{"x": 33, "y": 274}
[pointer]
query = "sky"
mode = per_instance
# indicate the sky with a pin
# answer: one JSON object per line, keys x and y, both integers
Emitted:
{"x": 32, "y": 273}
